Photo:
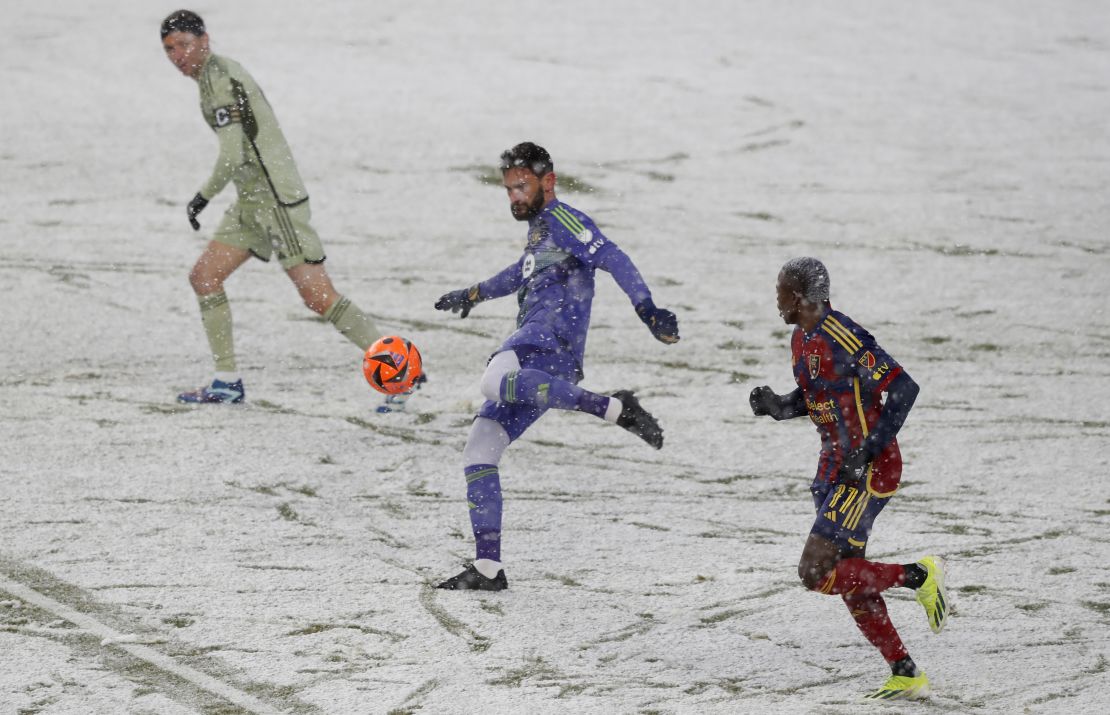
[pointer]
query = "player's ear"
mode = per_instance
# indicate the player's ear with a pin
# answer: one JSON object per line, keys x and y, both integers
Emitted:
{"x": 548, "y": 182}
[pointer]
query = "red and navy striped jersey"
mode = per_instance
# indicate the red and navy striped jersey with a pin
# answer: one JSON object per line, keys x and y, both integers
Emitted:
{"x": 842, "y": 372}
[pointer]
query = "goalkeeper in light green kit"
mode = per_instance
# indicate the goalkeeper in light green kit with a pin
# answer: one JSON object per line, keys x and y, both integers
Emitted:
{"x": 270, "y": 216}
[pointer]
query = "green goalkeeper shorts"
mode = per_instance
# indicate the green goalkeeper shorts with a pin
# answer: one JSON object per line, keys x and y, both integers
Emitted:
{"x": 265, "y": 228}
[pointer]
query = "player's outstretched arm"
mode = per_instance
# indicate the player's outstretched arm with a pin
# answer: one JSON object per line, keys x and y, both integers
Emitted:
{"x": 901, "y": 393}
{"x": 764, "y": 401}
{"x": 462, "y": 300}
{"x": 662, "y": 323}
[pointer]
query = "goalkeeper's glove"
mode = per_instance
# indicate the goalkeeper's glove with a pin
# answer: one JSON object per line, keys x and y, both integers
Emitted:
{"x": 459, "y": 301}
{"x": 195, "y": 207}
{"x": 662, "y": 323}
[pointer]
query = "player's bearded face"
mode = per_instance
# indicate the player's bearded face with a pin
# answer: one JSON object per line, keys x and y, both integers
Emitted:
{"x": 526, "y": 196}
{"x": 524, "y": 210}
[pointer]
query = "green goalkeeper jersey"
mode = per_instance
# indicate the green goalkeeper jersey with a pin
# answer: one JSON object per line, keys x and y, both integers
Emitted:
{"x": 253, "y": 151}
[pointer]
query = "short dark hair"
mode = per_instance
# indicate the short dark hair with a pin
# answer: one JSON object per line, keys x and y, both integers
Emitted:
{"x": 529, "y": 156}
{"x": 183, "y": 21}
{"x": 810, "y": 276}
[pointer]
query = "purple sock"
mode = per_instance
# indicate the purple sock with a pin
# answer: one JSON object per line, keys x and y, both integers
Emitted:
{"x": 535, "y": 387}
{"x": 483, "y": 494}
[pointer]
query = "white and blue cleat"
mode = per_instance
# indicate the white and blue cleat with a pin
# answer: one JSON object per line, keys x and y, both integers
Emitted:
{"x": 396, "y": 403}
{"x": 219, "y": 392}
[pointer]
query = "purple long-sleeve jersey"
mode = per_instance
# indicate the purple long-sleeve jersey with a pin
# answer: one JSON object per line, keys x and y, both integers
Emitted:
{"x": 554, "y": 280}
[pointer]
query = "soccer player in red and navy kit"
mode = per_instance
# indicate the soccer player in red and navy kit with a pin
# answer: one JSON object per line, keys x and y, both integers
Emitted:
{"x": 841, "y": 374}
{"x": 539, "y": 366}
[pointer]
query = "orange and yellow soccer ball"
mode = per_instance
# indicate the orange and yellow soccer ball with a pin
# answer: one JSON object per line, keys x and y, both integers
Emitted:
{"x": 391, "y": 365}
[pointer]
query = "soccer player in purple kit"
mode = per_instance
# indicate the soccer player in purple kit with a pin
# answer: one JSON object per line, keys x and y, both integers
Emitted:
{"x": 841, "y": 374}
{"x": 539, "y": 366}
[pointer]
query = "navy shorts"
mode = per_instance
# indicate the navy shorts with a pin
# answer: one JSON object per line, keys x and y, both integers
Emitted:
{"x": 516, "y": 418}
{"x": 845, "y": 514}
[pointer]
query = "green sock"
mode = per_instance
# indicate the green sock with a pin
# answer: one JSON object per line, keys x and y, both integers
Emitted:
{"x": 352, "y": 323}
{"x": 215, "y": 314}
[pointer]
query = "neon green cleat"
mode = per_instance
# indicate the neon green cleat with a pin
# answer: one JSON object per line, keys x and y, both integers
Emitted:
{"x": 902, "y": 687}
{"x": 931, "y": 595}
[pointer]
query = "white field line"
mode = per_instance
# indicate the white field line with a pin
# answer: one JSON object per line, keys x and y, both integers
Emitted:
{"x": 159, "y": 660}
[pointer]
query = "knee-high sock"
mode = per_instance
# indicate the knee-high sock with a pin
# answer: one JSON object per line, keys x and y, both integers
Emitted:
{"x": 869, "y": 612}
{"x": 352, "y": 323}
{"x": 215, "y": 315}
{"x": 862, "y": 577}
{"x": 535, "y": 387}
{"x": 483, "y": 495}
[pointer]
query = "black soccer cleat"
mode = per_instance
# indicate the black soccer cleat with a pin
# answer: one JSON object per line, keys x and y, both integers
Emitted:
{"x": 637, "y": 420}
{"x": 472, "y": 580}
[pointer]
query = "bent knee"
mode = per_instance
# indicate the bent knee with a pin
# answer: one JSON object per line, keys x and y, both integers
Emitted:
{"x": 316, "y": 306}
{"x": 813, "y": 576}
{"x": 318, "y": 300}
{"x": 490, "y": 387}
{"x": 203, "y": 283}
{"x": 500, "y": 364}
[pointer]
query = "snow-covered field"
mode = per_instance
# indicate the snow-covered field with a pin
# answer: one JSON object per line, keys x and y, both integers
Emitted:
{"x": 948, "y": 160}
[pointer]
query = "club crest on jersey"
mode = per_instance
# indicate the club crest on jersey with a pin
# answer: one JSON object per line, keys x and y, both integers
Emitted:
{"x": 535, "y": 236}
{"x": 814, "y": 363}
{"x": 222, "y": 116}
{"x": 867, "y": 360}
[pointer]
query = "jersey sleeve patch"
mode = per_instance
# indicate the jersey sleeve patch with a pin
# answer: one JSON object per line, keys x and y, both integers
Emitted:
{"x": 223, "y": 116}
{"x": 875, "y": 367}
{"x": 572, "y": 224}
{"x": 579, "y": 235}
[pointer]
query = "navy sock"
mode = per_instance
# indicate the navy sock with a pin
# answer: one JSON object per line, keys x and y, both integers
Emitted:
{"x": 535, "y": 387}
{"x": 915, "y": 576}
{"x": 904, "y": 667}
{"x": 483, "y": 495}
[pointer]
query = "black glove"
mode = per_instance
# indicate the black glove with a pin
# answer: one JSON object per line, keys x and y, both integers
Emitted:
{"x": 662, "y": 323}
{"x": 195, "y": 207}
{"x": 854, "y": 467}
{"x": 459, "y": 301}
{"x": 764, "y": 401}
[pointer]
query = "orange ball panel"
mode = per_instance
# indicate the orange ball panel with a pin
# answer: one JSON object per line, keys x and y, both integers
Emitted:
{"x": 391, "y": 365}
